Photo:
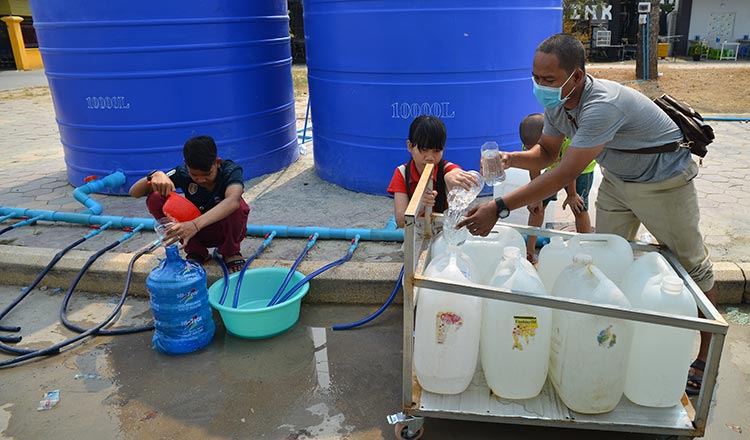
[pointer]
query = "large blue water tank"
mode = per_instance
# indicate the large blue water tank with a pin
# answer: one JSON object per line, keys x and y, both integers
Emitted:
{"x": 132, "y": 81}
{"x": 373, "y": 66}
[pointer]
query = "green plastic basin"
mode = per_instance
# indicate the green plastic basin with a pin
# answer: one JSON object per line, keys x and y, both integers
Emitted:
{"x": 252, "y": 319}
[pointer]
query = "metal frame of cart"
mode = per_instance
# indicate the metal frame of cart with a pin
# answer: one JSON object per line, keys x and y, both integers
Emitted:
{"x": 476, "y": 403}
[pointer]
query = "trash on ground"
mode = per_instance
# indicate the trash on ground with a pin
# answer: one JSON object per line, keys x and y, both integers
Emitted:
{"x": 735, "y": 428}
{"x": 50, "y": 399}
{"x": 87, "y": 376}
{"x": 149, "y": 415}
{"x": 736, "y": 317}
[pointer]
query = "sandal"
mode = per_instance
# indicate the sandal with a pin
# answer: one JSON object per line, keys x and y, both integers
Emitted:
{"x": 234, "y": 265}
{"x": 695, "y": 381}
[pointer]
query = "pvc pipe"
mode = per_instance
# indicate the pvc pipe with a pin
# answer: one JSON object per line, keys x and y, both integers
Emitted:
{"x": 727, "y": 119}
{"x": 83, "y": 219}
{"x": 325, "y": 233}
{"x": 82, "y": 192}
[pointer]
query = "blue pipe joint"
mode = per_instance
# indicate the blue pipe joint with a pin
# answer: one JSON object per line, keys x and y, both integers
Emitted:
{"x": 82, "y": 192}
{"x": 98, "y": 230}
{"x": 355, "y": 242}
{"x": 131, "y": 233}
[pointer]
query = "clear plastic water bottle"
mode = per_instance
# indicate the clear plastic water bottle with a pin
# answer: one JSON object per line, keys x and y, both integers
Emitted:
{"x": 460, "y": 198}
{"x": 492, "y": 165}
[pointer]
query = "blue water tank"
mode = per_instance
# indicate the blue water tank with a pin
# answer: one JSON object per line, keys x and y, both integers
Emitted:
{"x": 373, "y": 66}
{"x": 132, "y": 81}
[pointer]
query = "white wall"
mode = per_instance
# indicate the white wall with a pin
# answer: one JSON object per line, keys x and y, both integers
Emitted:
{"x": 701, "y": 14}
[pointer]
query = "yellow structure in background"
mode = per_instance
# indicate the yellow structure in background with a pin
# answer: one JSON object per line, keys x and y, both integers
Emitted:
{"x": 663, "y": 50}
{"x": 26, "y": 59}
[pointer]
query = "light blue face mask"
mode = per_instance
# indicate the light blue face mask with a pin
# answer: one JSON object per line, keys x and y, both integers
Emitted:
{"x": 550, "y": 97}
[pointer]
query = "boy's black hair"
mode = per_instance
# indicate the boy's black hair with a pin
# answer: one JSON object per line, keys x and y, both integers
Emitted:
{"x": 530, "y": 129}
{"x": 427, "y": 132}
{"x": 568, "y": 49}
{"x": 200, "y": 152}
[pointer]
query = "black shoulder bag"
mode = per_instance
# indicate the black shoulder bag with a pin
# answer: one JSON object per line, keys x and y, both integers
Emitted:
{"x": 696, "y": 134}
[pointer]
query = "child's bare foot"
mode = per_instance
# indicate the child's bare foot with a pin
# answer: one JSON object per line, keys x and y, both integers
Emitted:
{"x": 234, "y": 262}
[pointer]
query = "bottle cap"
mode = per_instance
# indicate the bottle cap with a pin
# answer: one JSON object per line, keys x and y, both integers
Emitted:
{"x": 511, "y": 252}
{"x": 582, "y": 259}
{"x": 672, "y": 285}
{"x": 557, "y": 241}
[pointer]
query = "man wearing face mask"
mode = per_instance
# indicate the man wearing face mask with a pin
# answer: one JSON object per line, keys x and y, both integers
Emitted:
{"x": 647, "y": 176}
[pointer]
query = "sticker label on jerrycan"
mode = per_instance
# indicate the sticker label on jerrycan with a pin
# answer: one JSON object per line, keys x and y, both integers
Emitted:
{"x": 606, "y": 338}
{"x": 445, "y": 323}
{"x": 524, "y": 328}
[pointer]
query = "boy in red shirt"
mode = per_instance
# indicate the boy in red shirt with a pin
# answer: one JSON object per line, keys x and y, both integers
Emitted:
{"x": 426, "y": 143}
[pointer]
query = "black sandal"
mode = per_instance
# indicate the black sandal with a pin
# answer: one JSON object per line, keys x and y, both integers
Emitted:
{"x": 234, "y": 265}
{"x": 695, "y": 381}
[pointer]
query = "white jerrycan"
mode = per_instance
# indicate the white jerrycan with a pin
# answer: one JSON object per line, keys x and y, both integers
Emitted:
{"x": 515, "y": 338}
{"x": 589, "y": 353}
{"x": 484, "y": 252}
{"x": 447, "y": 326}
{"x": 611, "y": 253}
{"x": 553, "y": 258}
{"x": 650, "y": 268}
{"x": 660, "y": 356}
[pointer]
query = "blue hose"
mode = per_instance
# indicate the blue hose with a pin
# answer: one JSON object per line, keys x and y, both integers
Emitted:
{"x": 225, "y": 273}
{"x": 252, "y": 257}
{"x": 378, "y": 312}
{"x": 310, "y": 243}
{"x": 304, "y": 280}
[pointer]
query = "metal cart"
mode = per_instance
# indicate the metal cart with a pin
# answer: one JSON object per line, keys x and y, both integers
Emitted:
{"x": 476, "y": 403}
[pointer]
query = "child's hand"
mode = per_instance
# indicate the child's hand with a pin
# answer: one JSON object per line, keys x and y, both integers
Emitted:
{"x": 460, "y": 178}
{"x": 161, "y": 183}
{"x": 575, "y": 202}
{"x": 429, "y": 198}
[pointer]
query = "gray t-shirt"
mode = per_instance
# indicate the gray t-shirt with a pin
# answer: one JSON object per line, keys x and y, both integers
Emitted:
{"x": 620, "y": 118}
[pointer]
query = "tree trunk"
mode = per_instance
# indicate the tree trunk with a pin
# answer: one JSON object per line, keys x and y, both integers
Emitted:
{"x": 653, "y": 45}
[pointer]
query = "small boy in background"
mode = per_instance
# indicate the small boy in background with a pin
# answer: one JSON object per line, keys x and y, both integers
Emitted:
{"x": 426, "y": 143}
{"x": 530, "y": 131}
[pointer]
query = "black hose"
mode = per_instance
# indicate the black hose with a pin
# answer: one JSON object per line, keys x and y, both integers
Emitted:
{"x": 22, "y": 296}
{"x": 71, "y": 289}
{"x": 41, "y": 275}
{"x": 55, "y": 349}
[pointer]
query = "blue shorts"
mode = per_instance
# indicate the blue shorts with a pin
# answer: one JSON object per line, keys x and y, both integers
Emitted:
{"x": 583, "y": 187}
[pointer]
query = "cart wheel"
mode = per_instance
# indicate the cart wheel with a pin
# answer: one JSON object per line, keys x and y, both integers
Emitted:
{"x": 403, "y": 433}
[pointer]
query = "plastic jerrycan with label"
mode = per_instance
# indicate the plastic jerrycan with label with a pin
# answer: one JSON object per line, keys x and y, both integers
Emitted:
{"x": 484, "y": 252}
{"x": 611, "y": 253}
{"x": 447, "y": 326}
{"x": 553, "y": 258}
{"x": 650, "y": 268}
{"x": 660, "y": 356}
{"x": 515, "y": 338}
{"x": 589, "y": 353}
